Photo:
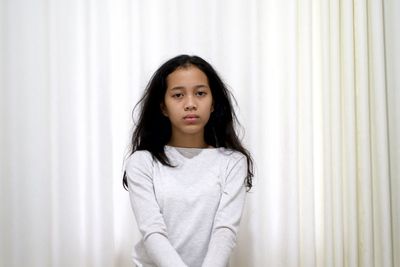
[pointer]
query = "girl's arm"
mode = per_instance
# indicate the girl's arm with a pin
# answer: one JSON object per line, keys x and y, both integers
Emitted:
{"x": 147, "y": 212}
{"x": 227, "y": 219}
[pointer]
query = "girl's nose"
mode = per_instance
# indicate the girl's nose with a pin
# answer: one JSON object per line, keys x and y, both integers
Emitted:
{"x": 190, "y": 105}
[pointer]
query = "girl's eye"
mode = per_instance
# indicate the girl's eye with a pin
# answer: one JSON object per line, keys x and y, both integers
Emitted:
{"x": 177, "y": 95}
{"x": 201, "y": 93}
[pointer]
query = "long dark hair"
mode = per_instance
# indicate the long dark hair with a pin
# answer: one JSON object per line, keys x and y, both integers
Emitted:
{"x": 153, "y": 129}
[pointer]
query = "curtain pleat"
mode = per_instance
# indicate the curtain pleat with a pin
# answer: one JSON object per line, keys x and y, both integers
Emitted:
{"x": 364, "y": 179}
{"x": 317, "y": 94}
{"x": 391, "y": 10}
{"x": 348, "y": 132}
{"x": 379, "y": 134}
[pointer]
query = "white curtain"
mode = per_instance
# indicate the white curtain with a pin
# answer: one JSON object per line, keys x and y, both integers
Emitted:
{"x": 317, "y": 87}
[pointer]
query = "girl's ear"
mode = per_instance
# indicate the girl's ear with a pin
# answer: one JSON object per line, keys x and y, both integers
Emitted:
{"x": 163, "y": 109}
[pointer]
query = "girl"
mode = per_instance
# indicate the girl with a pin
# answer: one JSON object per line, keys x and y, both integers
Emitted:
{"x": 188, "y": 171}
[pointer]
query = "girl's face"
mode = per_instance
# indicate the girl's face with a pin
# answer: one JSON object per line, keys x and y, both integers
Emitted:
{"x": 188, "y": 103}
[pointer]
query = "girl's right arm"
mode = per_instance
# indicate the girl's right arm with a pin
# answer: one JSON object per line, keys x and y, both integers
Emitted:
{"x": 147, "y": 212}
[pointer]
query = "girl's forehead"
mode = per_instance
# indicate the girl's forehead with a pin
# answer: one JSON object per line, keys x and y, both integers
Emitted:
{"x": 187, "y": 75}
{"x": 187, "y": 68}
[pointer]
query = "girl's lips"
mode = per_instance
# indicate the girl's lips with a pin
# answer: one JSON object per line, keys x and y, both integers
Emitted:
{"x": 191, "y": 118}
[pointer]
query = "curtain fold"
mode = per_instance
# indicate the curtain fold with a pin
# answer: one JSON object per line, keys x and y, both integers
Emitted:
{"x": 317, "y": 91}
{"x": 392, "y": 63}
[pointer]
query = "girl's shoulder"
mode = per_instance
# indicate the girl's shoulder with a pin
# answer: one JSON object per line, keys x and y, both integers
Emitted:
{"x": 230, "y": 157}
{"x": 140, "y": 155}
{"x": 231, "y": 153}
{"x": 139, "y": 158}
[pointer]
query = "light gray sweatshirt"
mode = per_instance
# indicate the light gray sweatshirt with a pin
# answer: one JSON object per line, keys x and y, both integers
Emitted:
{"x": 189, "y": 214}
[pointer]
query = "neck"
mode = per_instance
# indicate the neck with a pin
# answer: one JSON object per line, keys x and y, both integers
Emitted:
{"x": 190, "y": 141}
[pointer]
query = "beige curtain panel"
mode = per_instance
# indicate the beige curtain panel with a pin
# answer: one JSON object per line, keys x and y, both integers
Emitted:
{"x": 318, "y": 94}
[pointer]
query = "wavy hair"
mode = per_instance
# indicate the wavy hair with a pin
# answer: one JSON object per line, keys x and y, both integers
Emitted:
{"x": 153, "y": 129}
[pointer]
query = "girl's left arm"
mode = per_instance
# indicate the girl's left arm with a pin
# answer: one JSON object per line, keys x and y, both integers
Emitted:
{"x": 227, "y": 219}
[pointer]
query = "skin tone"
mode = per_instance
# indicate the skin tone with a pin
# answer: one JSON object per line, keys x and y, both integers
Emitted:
{"x": 188, "y": 104}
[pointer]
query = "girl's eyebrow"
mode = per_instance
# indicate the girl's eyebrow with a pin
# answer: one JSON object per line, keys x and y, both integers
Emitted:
{"x": 183, "y": 87}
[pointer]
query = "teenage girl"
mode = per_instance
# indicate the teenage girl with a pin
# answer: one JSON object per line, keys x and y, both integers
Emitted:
{"x": 188, "y": 172}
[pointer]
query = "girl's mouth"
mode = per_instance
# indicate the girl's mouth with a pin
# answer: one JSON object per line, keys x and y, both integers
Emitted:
{"x": 191, "y": 118}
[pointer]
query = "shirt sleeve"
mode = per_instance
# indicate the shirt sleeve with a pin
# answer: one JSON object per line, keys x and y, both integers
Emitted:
{"x": 227, "y": 219}
{"x": 147, "y": 212}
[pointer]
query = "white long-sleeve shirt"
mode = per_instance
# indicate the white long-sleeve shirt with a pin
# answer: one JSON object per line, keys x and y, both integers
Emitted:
{"x": 189, "y": 214}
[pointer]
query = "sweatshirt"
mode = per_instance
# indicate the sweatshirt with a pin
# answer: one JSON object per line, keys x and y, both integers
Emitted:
{"x": 188, "y": 214}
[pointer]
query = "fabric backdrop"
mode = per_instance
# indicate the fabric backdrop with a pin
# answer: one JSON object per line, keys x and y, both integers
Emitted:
{"x": 317, "y": 91}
